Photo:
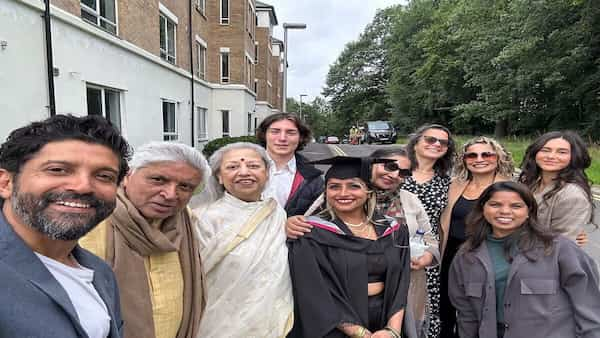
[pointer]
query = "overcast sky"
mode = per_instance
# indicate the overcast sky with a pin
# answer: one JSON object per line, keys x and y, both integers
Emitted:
{"x": 330, "y": 25}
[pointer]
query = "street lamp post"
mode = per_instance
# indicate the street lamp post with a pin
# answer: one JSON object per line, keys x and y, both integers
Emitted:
{"x": 287, "y": 26}
{"x": 302, "y": 117}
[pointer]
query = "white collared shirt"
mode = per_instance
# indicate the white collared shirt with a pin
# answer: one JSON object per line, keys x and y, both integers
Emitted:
{"x": 280, "y": 181}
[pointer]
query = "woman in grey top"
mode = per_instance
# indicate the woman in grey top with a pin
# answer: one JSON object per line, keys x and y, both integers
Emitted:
{"x": 514, "y": 278}
{"x": 554, "y": 169}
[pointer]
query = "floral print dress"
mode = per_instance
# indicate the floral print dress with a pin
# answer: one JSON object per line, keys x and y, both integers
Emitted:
{"x": 434, "y": 196}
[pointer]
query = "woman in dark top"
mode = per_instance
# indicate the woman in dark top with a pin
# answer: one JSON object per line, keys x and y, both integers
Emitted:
{"x": 351, "y": 273}
{"x": 430, "y": 150}
{"x": 481, "y": 162}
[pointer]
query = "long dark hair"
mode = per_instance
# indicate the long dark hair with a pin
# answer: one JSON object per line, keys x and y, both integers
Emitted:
{"x": 526, "y": 238}
{"x": 443, "y": 165}
{"x": 573, "y": 173}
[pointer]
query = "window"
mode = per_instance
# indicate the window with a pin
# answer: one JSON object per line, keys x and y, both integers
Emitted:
{"x": 255, "y": 123}
{"x": 256, "y": 86}
{"x": 104, "y": 102}
{"x": 101, "y": 13}
{"x": 249, "y": 19}
{"x": 167, "y": 38}
{"x": 201, "y": 5}
{"x": 169, "y": 121}
{"x": 249, "y": 124}
{"x": 225, "y": 12}
{"x": 202, "y": 124}
{"x": 256, "y": 53}
{"x": 225, "y": 119}
{"x": 224, "y": 67}
{"x": 201, "y": 61}
{"x": 249, "y": 72}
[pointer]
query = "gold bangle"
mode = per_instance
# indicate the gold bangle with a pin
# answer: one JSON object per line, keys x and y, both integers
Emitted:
{"x": 360, "y": 333}
{"x": 392, "y": 331}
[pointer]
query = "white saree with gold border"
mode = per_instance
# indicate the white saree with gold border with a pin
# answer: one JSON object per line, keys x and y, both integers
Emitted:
{"x": 245, "y": 258}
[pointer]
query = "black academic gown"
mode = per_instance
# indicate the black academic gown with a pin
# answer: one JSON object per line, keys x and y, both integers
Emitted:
{"x": 329, "y": 276}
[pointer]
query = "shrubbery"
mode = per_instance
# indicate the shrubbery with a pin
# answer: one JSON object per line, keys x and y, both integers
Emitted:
{"x": 214, "y": 145}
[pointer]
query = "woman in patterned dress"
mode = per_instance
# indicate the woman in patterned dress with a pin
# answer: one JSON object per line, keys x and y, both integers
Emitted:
{"x": 431, "y": 150}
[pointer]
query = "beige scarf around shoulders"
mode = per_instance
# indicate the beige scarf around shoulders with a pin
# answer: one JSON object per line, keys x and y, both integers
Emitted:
{"x": 131, "y": 239}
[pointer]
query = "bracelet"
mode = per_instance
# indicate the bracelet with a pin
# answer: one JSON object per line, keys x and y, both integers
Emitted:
{"x": 360, "y": 333}
{"x": 392, "y": 332}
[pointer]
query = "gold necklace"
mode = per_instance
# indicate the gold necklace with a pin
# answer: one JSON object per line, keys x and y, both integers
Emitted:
{"x": 352, "y": 225}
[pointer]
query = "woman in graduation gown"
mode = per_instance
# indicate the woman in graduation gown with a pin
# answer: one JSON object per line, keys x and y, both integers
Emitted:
{"x": 351, "y": 273}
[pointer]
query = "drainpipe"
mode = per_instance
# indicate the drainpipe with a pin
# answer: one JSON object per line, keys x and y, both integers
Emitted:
{"x": 49, "y": 61}
{"x": 192, "y": 68}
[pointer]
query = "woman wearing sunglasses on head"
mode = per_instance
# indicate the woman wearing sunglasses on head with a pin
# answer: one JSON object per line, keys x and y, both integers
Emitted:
{"x": 350, "y": 274}
{"x": 431, "y": 150}
{"x": 554, "y": 169}
{"x": 514, "y": 278}
{"x": 481, "y": 162}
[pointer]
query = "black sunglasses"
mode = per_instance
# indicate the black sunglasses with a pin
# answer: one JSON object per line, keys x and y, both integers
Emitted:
{"x": 486, "y": 155}
{"x": 433, "y": 140}
{"x": 393, "y": 166}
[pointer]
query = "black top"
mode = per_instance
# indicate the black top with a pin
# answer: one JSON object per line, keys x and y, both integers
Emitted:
{"x": 329, "y": 270}
{"x": 461, "y": 209}
{"x": 376, "y": 267}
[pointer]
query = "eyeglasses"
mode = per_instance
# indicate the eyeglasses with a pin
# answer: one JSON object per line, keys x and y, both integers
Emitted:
{"x": 433, "y": 140}
{"x": 486, "y": 155}
{"x": 393, "y": 166}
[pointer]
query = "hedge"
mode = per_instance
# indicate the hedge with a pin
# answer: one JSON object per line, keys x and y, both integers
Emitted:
{"x": 215, "y": 144}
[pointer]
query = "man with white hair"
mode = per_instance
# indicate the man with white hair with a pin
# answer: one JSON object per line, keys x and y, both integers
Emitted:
{"x": 150, "y": 244}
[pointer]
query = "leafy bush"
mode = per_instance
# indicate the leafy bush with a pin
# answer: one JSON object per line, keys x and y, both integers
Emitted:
{"x": 215, "y": 144}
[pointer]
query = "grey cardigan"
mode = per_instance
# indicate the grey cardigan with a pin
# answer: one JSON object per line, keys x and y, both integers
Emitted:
{"x": 556, "y": 296}
{"x": 34, "y": 304}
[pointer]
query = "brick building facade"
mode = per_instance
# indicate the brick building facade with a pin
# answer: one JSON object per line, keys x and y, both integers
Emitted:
{"x": 187, "y": 71}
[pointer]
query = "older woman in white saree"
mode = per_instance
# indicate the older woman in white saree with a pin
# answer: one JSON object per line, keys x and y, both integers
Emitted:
{"x": 243, "y": 250}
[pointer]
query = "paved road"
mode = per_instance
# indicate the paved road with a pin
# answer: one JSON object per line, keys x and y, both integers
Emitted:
{"x": 317, "y": 151}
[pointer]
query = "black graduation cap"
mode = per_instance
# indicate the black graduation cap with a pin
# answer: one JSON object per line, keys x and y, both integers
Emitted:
{"x": 344, "y": 167}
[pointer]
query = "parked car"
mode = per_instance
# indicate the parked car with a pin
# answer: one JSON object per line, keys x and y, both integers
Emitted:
{"x": 322, "y": 139}
{"x": 332, "y": 140}
{"x": 380, "y": 131}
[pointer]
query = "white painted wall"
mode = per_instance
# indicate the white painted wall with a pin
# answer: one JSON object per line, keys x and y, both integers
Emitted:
{"x": 85, "y": 54}
{"x": 23, "y": 85}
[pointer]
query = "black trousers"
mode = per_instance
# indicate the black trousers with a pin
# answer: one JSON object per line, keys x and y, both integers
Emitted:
{"x": 447, "y": 310}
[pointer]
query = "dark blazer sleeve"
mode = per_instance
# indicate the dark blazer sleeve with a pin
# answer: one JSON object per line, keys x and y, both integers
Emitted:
{"x": 319, "y": 298}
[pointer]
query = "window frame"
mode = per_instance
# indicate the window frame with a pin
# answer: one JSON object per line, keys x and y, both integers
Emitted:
{"x": 99, "y": 17}
{"x": 201, "y": 61}
{"x": 249, "y": 122}
{"x": 224, "y": 20}
{"x": 225, "y": 113}
{"x": 166, "y": 56}
{"x": 226, "y": 78}
{"x": 103, "y": 111}
{"x": 167, "y": 135}
{"x": 202, "y": 118}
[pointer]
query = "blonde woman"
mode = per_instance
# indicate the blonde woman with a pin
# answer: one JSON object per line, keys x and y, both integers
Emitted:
{"x": 480, "y": 162}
